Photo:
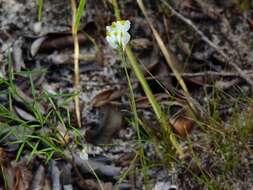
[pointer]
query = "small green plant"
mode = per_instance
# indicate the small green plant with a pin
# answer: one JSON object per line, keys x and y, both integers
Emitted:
{"x": 40, "y": 134}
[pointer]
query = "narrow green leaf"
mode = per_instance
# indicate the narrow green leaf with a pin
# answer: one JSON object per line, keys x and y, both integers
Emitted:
{"x": 40, "y": 6}
{"x": 79, "y": 14}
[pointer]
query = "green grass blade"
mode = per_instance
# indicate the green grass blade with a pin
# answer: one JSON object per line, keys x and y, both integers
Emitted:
{"x": 40, "y": 6}
{"x": 80, "y": 12}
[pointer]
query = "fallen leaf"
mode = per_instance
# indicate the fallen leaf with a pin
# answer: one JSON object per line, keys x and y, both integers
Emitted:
{"x": 36, "y": 45}
{"x": 182, "y": 125}
{"x": 22, "y": 97}
{"x": 54, "y": 41}
{"x": 105, "y": 97}
{"x": 24, "y": 114}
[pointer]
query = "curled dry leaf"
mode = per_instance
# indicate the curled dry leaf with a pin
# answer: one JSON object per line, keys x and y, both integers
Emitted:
{"x": 36, "y": 45}
{"x": 182, "y": 125}
{"x": 142, "y": 101}
{"x": 24, "y": 114}
{"x": 23, "y": 97}
{"x": 105, "y": 97}
{"x": 54, "y": 41}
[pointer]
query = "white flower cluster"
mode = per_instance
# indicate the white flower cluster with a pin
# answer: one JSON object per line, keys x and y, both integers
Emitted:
{"x": 117, "y": 34}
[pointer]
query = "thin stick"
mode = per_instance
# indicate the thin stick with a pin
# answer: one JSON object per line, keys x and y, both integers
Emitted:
{"x": 210, "y": 43}
{"x": 76, "y": 63}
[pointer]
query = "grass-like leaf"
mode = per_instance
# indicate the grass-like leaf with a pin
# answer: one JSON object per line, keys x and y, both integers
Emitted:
{"x": 78, "y": 16}
{"x": 40, "y": 7}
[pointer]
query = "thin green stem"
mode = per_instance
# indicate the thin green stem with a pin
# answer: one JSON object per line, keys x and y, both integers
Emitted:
{"x": 134, "y": 110}
{"x": 40, "y": 7}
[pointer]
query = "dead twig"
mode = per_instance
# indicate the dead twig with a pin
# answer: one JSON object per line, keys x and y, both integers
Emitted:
{"x": 210, "y": 43}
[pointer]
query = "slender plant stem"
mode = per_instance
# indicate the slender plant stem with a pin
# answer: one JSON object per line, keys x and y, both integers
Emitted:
{"x": 134, "y": 110}
{"x": 76, "y": 63}
{"x": 137, "y": 70}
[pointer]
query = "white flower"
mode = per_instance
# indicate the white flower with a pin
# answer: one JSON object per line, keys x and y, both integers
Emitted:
{"x": 83, "y": 154}
{"x": 117, "y": 34}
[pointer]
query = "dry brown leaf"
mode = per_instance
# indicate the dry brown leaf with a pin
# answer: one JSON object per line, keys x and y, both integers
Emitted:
{"x": 54, "y": 41}
{"x": 105, "y": 97}
{"x": 24, "y": 114}
{"x": 182, "y": 125}
{"x": 36, "y": 45}
{"x": 23, "y": 97}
